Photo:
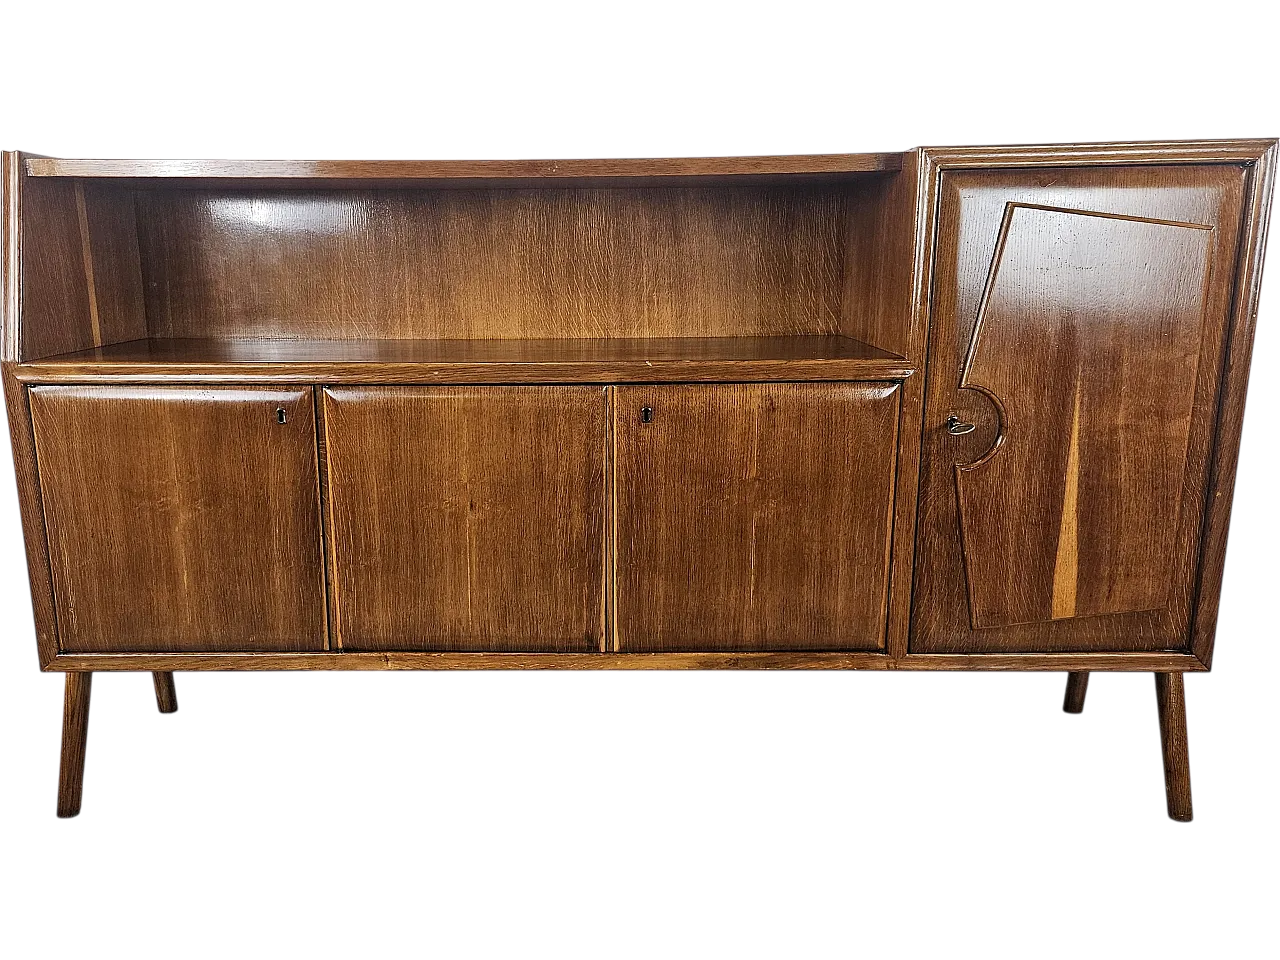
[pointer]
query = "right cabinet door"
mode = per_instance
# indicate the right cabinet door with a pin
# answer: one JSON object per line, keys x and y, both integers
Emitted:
{"x": 753, "y": 517}
{"x": 1077, "y": 330}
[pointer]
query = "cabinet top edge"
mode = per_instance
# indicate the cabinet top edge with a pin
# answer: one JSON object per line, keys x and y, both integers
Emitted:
{"x": 1120, "y": 152}
{"x": 455, "y": 170}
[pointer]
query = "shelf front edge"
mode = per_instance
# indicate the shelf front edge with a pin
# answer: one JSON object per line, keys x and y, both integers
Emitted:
{"x": 656, "y": 371}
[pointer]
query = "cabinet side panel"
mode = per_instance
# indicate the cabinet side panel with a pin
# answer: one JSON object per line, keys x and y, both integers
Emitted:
{"x": 54, "y": 288}
{"x": 19, "y": 417}
{"x": 880, "y": 226}
{"x": 1235, "y": 381}
{"x": 81, "y": 272}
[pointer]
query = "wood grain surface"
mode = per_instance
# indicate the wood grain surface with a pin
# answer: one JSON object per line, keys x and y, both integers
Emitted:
{"x": 75, "y": 737}
{"x": 616, "y": 360}
{"x": 1171, "y": 705}
{"x": 497, "y": 264}
{"x": 1235, "y": 382}
{"x": 880, "y": 236}
{"x": 467, "y": 518}
{"x": 81, "y": 273}
{"x": 22, "y": 442}
{"x": 793, "y": 660}
{"x": 181, "y": 520}
{"x": 658, "y": 168}
{"x": 1138, "y": 333}
{"x": 166, "y": 691}
{"x": 1077, "y": 687}
{"x": 753, "y": 517}
{"x": 1087, "y": 341}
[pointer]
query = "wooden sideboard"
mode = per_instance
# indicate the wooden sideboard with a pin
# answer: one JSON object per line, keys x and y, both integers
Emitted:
{"x": 947, "y": 409}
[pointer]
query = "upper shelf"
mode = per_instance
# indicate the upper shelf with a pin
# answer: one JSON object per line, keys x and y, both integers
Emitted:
{"x": 648, "y": 360}
{"x": 473, "y": 172}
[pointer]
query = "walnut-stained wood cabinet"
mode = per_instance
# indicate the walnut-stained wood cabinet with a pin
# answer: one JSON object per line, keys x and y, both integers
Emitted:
{"x": 947, "y": 409}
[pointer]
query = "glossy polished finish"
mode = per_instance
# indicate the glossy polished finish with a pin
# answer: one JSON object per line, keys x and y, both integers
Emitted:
{"x": 618, "y": 360}
{"x": 82, "y": 277}
{"x": 453, "y": 171}
{"x": 22, "y": 441}
{"x": 466, "y": 518}
{"x": 486, "y": 264}
{"x": 1080, "y": 320}
{"x": 75, "y": 735}
{"x": 789, "y": 660}
{"x": 753, "y": 517}
{"x": 166, "y": 692}
{"x": 195, "y": 528}
{"x": 1119, "y": 344}
{"x": 1172, "y": 706}
{"x": 1077, "y": 686}
{"x": 949, "y": 409}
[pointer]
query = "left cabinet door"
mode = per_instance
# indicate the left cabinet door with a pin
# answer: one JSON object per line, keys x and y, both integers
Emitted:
{"x": 181, "y": 519}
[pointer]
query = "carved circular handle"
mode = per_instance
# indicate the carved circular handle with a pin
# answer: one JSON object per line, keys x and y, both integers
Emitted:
{"x": 957, "y": 427}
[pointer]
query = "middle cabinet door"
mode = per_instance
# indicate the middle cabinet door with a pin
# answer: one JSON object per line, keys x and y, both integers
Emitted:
{"x": 467, "y": 518}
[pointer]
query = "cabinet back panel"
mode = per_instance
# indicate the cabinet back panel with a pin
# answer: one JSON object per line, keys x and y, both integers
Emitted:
{"x": 460, "y": 264}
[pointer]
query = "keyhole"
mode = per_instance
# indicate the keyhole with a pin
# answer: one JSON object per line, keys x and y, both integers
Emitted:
{"x": 646, "y": 414}
{"x": 281, "y": 416}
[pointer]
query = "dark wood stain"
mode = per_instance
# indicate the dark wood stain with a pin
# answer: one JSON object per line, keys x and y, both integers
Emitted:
{"x": 466, "y": 518}
{"x": 75, "y": 736}
{"x": 1077, "y": 686}
{"x": 181, "y": 520}
{"x": 1136, "y": 401}
{"x": 754, "y": 517}
{"x": 789, "y": 660}
{"x": 1172, "y": 708}
{"x": 166, "y": 691}
{"x": 448, "y": 172}
{"x": 493, "y": 264}
{"x": 1080, "y": 492}
{"x": 610, "y": 360}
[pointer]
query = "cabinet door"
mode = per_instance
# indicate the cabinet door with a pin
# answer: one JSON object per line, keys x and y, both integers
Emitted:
{"x": 181, "y": 519}
{"x": 754, "y": 516}
{"x": 467, "y": 518}
{"x": 1078, "y": 323}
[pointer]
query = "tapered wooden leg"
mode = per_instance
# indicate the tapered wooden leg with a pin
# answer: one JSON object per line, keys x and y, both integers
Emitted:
{"x": 1077, "y": 684}
{"x": 75, "y": 730}
{"x": 166, "y": 693}
{"x": 1172, "y": 704}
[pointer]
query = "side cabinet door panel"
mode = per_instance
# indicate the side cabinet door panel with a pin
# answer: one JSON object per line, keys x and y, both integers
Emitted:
{"x": 1078, "y": 321}
{"x": 181, "y": 519}
{"x": 754, "y": 517}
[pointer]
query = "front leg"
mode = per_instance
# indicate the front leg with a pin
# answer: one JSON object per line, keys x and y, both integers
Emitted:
{"x": 1172, "y": 706}
{"x": 75, "y": 731}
